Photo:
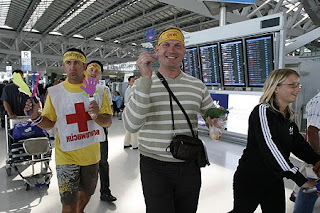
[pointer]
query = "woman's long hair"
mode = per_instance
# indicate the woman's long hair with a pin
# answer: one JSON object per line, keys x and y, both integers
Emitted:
{"x": 275, "y": 79}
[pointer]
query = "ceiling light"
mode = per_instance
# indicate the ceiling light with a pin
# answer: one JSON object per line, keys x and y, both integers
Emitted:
{"x": 55, "y": 33}
{"x": 77, "y": 36}
{"x": 6, "y": 27}
{"x": 98, "y": 39}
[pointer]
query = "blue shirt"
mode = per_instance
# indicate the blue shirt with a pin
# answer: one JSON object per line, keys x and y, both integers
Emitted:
{"x": 118, "y": 100}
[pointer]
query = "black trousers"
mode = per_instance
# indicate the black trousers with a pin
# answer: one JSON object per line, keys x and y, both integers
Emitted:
{"x": 170, "y": 187}
{"x": 251, "y": 189}
{"x": 104, "y": 166}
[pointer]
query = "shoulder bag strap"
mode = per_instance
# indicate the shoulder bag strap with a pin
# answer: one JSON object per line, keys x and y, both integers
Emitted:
{"x": 165, "y": 83}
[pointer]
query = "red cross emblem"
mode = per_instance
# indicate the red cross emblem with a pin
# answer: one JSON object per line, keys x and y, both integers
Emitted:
{"x": 80, "y": 117}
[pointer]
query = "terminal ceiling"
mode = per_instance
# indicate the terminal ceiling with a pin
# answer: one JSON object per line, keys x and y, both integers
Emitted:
{"x": 112, "y": 30}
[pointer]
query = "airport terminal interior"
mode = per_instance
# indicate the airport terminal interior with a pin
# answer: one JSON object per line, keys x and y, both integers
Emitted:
{"x": 231, "y": 46}
{"x": 216, "y": 194}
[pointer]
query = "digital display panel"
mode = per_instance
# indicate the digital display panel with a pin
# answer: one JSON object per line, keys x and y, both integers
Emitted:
{"x": 232, "y": 60}
{"x": 259, "y": 52}
{"x": 209, "y": 60}
{"x": 190, "y": 62}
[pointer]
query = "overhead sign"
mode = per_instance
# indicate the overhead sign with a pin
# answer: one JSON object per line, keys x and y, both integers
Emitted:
{"x": 26, "y": 60}
{"x": 8, "y": 68}
{"x": 244, "y": 28}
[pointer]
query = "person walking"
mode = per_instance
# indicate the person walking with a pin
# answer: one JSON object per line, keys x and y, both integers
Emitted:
{"x": 169, "y": 184}
{"x": 130, "y": 139}
{"x": 305, "y": 201}
{"x": 272, "y": 136}
{"x": 95, "y": 70}
{"x": 79, "y": 130}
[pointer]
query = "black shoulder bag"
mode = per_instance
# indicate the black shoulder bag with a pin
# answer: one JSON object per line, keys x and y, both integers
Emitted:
{"x": 185, "y": 147}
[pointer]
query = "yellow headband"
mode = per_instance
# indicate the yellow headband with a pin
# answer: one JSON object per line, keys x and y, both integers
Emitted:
{"x": 171, "y": 34}
{"x": 94, "y": 66}
{"x": 74, "y": 55}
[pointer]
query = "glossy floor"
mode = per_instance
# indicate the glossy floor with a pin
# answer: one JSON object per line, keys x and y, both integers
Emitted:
{"x": 216, "y": 192}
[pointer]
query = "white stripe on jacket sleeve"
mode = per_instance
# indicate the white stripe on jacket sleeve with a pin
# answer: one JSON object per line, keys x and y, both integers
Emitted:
{"x": 270, "y": 143}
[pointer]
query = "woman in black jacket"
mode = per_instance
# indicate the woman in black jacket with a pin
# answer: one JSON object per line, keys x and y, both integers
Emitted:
{"x": 272, "y": 136}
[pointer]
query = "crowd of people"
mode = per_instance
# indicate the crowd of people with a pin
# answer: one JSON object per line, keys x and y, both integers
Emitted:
{"x": 152, "y": 118}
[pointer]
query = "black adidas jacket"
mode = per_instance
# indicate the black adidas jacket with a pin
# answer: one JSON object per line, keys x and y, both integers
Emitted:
{"x": 271, "y": 139}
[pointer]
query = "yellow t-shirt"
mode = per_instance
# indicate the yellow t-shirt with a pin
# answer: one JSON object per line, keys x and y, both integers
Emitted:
{"x": 85, "y": 156}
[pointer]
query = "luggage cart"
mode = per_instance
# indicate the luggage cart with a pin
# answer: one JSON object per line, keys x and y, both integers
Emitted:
{"x": 29, "y": 151}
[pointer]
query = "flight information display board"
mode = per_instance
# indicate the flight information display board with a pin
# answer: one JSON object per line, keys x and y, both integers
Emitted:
{"x": 190, "y": 62}
{"x": 259, "y": 52}
{"x": 209, "y": 61}
{"x": 232, "y": 60}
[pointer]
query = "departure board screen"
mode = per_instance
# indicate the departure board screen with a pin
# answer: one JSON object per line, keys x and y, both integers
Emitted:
{"x": 209, "y": 60}
{"x": 190, "y": 62}
{"x": 259, "y": 59}
{"x": 232, "y": 63}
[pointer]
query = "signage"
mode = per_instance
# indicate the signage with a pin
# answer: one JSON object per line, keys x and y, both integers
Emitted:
{"x": 8, "y": 68}
{"x": 26, "y": 60}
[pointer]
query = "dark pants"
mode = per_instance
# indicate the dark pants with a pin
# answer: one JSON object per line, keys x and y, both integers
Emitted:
{"x": 104, "y": 166}
{"x": 251, "y": 189}
{"x": 170, "y": 187}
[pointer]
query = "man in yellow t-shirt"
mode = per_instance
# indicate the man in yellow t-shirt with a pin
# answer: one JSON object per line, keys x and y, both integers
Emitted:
{"x": 94, "y": 70}
{"x": 79, "y": 125}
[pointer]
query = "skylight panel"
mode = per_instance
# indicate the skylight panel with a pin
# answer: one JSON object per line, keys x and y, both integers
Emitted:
{"x": 37, "y": 13}
{"x": 4, "y": 8}
{"x": 82, "y": 5}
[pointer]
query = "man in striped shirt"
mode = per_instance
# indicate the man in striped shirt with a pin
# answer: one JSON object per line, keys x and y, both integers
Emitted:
{"x": 305, "y": 202}
{"x": 169, "y": 184}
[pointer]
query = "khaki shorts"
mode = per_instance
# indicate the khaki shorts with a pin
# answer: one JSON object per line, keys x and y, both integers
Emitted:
{"x": 75, "y": 178}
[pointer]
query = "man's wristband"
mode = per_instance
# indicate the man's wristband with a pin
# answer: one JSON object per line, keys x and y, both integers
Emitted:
{"x": 37, "y": 120}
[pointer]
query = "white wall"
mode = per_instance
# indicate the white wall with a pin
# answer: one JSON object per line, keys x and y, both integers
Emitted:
{"x": 309, "y": 71}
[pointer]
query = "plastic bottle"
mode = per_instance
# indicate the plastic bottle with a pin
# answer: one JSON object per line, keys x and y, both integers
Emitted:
{"x": 92, "y": 115}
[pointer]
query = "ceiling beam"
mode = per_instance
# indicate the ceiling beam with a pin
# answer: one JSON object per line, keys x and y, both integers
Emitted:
{"x": 302, "y": 40}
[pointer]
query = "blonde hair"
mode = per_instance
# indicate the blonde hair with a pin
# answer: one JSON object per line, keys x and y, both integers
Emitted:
{"x": 275, "y": 79}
